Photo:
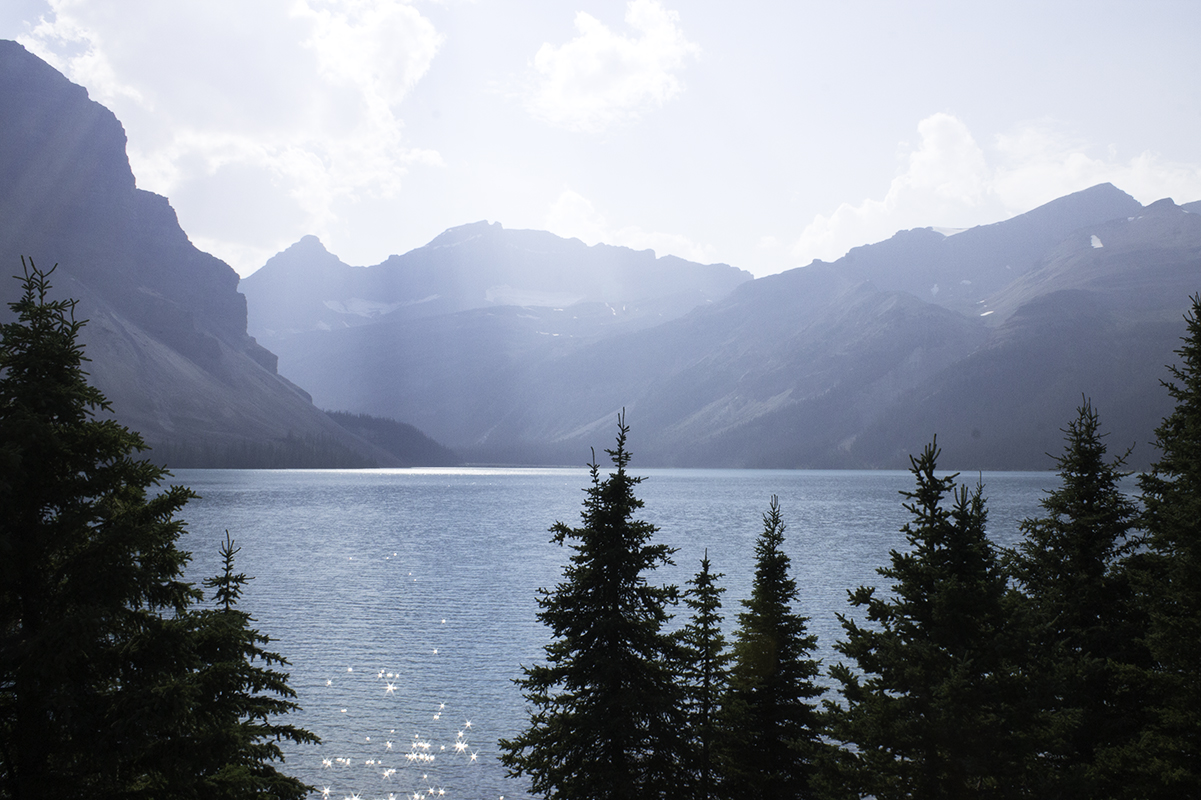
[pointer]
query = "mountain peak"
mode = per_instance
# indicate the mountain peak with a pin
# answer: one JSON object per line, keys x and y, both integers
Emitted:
{"x": 1102, "y": 200}
{"x": 464, "y": 233}
{"x": 308, "y": 245}
{"x": 1166, "y": 204}
{"x": 304, "y": 261}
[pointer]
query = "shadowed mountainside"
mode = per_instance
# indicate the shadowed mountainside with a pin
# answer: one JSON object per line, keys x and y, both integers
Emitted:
{"x": 988, "y": 338}
{"x": 166, "y": 332}
{"x": 520, "y": 346}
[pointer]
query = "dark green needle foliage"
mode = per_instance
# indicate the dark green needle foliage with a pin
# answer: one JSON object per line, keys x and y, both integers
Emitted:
{"x": 1080, "y": 628}
{"x": 771, "y": 724}
{"x": 704, "y": 675}
{"x": 924, "y": 702}
{"x": 90, "y": 575}
{"x": 238, "y": 693}
{"x": 111, "y": 684}
{"x": 1170, "y": 752}
{"x": 605, "y": 718}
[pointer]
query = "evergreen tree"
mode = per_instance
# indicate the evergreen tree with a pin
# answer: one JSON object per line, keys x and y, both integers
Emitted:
{"x": 704, "y": 674}
{"x": 606, "y": 719}
{"x": 90, "y": 575}
{"x": 111, "y": 685}
{"x": 925, "y": 708}
{"x": 1170, "y": 750}
{"x": 232, "y": 742}
{"x": 1078, "y": 621}
{"x": 770, "y": 720}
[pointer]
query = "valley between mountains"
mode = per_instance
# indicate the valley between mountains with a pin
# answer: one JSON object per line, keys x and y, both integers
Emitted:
{"x": 492, "y": 345}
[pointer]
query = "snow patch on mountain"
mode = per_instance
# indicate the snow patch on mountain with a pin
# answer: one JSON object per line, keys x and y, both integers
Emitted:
{"x": 359, "y": 307}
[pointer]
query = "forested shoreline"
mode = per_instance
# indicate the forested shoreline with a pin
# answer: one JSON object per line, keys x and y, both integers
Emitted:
{"x": 1066, "y": 666}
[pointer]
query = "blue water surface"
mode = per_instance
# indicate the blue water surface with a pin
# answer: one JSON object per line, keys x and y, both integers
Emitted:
{"x": 406, "y": 600}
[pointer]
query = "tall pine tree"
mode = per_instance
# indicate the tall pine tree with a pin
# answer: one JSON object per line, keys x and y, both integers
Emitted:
{"x": 704, "y": 676}
{"x": 1170, "y": 749}
{"x": 924, "y": 707}
{"x": 90, "y": 574}
{"x": 771, "y": 724}
{"x": 1080, "y": 628}
{"x": 111, "y": 685}
{"x": 606, "y": 719}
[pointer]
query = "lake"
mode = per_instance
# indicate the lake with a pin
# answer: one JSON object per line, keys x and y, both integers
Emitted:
{"x": 406, "y": 599}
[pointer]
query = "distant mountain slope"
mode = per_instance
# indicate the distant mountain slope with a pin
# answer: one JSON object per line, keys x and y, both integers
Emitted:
{"x": 305, "y": 288}
{"x": 520, "y": 347}
{"x": 851, "y": 364}
{"x": 167, "y": 327}
{"x": 411, "y": 447}
{"x": 959, "y": 271}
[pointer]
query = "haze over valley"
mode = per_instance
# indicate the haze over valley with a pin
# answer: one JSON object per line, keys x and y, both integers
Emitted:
{"x": 987, "y": 338}
{"x": 520, "y": 346}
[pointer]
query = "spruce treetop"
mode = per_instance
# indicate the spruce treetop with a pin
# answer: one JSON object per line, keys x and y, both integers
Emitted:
{"x": 771, "y": 726}
{"x": 925, "y": 706}
{"x": 607, "y": 718}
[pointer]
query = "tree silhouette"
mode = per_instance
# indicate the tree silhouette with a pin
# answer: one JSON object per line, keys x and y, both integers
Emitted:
{"x": 1170, "y": 749}
{"x": 704, "y": 674}
{"x": 925, "y": 708}
{"x": 606, "y": 719}
{"x": 1080, "y": 628}
{"x": 111, "y": 685}
{"x": 771, "y": 724}
{"x": 235, "y": 741}
{"x": 90, "y": 574}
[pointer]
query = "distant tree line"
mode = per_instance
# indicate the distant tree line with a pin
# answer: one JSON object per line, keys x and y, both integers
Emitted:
{"x": 307, "y": 451}
{"x": 117, "y": 679}
{"x": 1066, "y": 667}
{"x": 410, "y": 446}
{"x": 407, "y": 444}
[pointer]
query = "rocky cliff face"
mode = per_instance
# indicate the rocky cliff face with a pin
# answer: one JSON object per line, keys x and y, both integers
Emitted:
{"x": 167, "y": 326}
{"x": 69, "y": 196}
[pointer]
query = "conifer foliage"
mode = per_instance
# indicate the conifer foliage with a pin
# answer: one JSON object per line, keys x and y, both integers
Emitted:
{"x": 88, "y": 566}
{"x": 237, "y": 699}
{"x": 705, "y": 675}
{"x": 1171, "y": 750}
{"x": 771, "y": 722}
{"x": 1079, "y": 623}
{"x": 108, "y": 678}
{"x": 924, "y": 709}
{"x": 605, "y": 719}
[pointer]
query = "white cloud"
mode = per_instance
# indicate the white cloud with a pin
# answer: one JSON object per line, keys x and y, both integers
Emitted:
{"x": 574, "y": 216}
{"x": 1038, "y": 163}
{"x": 304, "y": 91}
{"x": 949, "y": 182}
{"x": 945, "y": 176}
{"x": 601, "y": 78}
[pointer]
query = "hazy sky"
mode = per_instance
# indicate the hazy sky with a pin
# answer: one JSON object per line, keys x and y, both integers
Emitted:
{"x": 762, "y": 134}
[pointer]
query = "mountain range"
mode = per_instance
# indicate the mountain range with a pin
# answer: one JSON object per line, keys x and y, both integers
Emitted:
{"x": 521, "y": 347}
{"x": 988, "y": 338}
{"x": 306, "y": 288}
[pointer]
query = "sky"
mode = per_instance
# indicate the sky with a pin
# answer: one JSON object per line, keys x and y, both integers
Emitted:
{"x": 759, "y": 134}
